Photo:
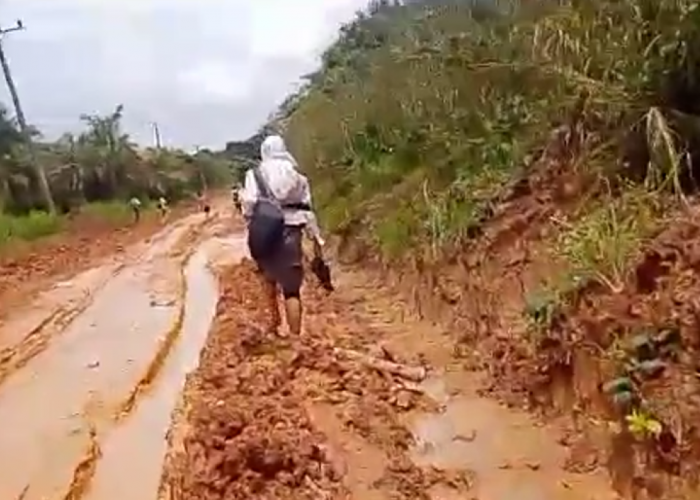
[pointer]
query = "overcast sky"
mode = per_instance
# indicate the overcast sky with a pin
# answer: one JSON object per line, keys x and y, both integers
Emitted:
{"x": 206, "y": 70}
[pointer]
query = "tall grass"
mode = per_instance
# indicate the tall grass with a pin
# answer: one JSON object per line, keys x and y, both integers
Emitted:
{"x": 455, "y": 97}
{"x": 30, "y": 227}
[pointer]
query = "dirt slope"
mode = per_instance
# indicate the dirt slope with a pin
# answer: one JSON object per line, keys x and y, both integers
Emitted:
{"x": 480, "y": 292}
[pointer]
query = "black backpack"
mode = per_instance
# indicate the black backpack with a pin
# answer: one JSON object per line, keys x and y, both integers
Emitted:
{"x": 266, "y": 223}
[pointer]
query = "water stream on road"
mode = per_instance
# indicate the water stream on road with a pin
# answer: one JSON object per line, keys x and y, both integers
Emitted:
{"x": 87, "y": 415}
{"x": 133, "y": 452}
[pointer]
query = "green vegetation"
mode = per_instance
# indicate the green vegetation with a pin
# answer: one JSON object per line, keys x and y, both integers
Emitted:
{"x": 100, "y": 165}
{"x": 36, "y": 224}
{"x": 422, "y": 112}
{"x": 94, "y": 172}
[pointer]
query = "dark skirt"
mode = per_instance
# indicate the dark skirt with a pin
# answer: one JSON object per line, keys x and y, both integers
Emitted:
{"x": 284, "y": 266}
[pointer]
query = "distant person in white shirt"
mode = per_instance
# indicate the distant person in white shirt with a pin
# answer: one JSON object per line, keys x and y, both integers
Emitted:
{"x": 135, "y": 205}
{"x": 162, "y": 207}
{"x": 276, "y": 202}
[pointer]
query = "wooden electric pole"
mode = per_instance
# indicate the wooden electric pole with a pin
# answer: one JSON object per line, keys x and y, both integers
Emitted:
{"x": 156, "y": 136}
{"x": 44, "y": 188}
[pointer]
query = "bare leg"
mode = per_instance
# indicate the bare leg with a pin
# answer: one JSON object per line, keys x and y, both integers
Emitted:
{"x": 272, "y": 305}
{"x": 293, "y": 310}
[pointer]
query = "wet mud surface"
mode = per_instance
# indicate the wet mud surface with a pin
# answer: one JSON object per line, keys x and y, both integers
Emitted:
{"x": 372, "y": 402}
{"x": 90, "y": 374}
{"x": 275, "y": 418}
{"x": 29, "y": 268}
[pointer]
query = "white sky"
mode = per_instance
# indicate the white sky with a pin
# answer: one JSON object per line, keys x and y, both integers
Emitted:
{"x": 207, "y": 71}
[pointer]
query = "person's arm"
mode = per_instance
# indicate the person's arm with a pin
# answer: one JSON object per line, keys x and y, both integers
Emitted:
{"x": 249, "y": 194}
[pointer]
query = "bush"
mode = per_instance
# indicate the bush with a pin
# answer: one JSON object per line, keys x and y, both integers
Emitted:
{"x": 113, "y": 212}
{"x": 455, "y": 95}
{"x": 32, "y": 226}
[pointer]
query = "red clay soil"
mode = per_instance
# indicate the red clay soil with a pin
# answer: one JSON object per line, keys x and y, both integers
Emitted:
{"x": 480, "y": 290}
{"x": 594, "y": 337}
{"x": 27, "y": 268}
{"x": 266, "y": 417}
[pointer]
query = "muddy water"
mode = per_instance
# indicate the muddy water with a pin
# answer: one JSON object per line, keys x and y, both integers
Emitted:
{"x": 81, "y": 373}
{"x": 513, "y": 458}
{"x": 133, "y": 453}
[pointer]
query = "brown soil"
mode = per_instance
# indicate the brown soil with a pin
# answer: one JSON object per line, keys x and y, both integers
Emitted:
{"x": 277, "y": 418}
{"x": 27, "y": 268}
{"x": 272, "y": 417}
{"x": 480, "y": 290}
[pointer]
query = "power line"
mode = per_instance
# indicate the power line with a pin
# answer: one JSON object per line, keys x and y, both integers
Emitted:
{"x": 44, "y": 188}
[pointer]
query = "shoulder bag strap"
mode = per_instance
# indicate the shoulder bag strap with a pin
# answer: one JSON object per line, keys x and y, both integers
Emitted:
{"x": 262, "y": 185}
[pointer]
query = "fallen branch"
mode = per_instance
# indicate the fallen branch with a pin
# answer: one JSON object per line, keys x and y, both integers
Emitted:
{"x": 414, "y": 373}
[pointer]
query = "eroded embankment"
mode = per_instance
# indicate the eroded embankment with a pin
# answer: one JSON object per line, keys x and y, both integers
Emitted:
{"x": 266, "y": 417}
{"x": 561, "y": 368}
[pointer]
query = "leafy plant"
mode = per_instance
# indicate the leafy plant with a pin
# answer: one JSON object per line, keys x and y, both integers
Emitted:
{"x": 643, "y": 425}
{"x": 602, "y": 243}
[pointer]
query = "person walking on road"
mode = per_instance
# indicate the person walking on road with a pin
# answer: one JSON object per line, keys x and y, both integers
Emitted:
{"x": 162, "y": 204}
{"x": 236, "y": 194}
{"x": 135, "y": 205}
{"x": 276, "y": 203}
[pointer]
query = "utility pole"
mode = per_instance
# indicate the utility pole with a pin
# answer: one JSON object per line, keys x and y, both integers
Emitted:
{"x": 156, "y": 135}
{"x": 44, "y": 188}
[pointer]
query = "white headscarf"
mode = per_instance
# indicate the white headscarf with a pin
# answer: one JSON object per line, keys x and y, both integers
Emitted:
{"x": 279, "y": 168}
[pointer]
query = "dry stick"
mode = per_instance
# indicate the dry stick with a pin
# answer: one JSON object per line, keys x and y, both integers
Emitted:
{"x": 414, "y": 373}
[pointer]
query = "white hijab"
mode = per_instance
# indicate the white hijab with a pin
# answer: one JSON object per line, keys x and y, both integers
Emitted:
{"x": 279, "y": 168}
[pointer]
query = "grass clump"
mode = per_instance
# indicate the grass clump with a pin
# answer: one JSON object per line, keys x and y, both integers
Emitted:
{"x": 602, "y": 245}
{"x": 36, "y": 224}
{"x": 113, "y": 212}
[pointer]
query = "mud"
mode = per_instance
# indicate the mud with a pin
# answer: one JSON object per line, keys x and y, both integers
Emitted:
{"x": 274, "y": 417}
{"x": 108, "y": 358}
{"x": 479, "y": 290}
{"x": 28, "y": 268}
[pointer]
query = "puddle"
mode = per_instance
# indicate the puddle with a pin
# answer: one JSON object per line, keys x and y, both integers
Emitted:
{"x": 513, "y": 458}
{"x": 133, "y": 453}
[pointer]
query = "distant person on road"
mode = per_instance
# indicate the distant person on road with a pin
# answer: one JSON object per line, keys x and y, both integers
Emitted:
{"x": 135, "y": 205}
{"x": 276, "y": 202}
{"x": 204, "y": 204}
{"x": 162, "y": 205}
{"x": 236, "y": 193}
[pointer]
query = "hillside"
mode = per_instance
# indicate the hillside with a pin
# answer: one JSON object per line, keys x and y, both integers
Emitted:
{"x": 523, "y": 171}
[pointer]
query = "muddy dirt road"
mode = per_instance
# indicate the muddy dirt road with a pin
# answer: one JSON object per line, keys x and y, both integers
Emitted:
{"x": 90, "y": 370}
{"x": 345, "y": 412}
{"x": 92, "y": 402}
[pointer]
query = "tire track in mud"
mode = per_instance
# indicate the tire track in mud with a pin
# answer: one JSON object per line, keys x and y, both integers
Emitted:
{"x": 38, "y": 339}
{"x": 16, "y": 357}
{"x": 86, "y": 469}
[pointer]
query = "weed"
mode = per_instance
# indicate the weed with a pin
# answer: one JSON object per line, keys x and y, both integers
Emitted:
{"x": 112, "y": 212}
{"x": 601, "y": 245}
{"x": 540, "y": 308}
{"x": 643, "y": 425}
{"x": 32, "y": 226}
